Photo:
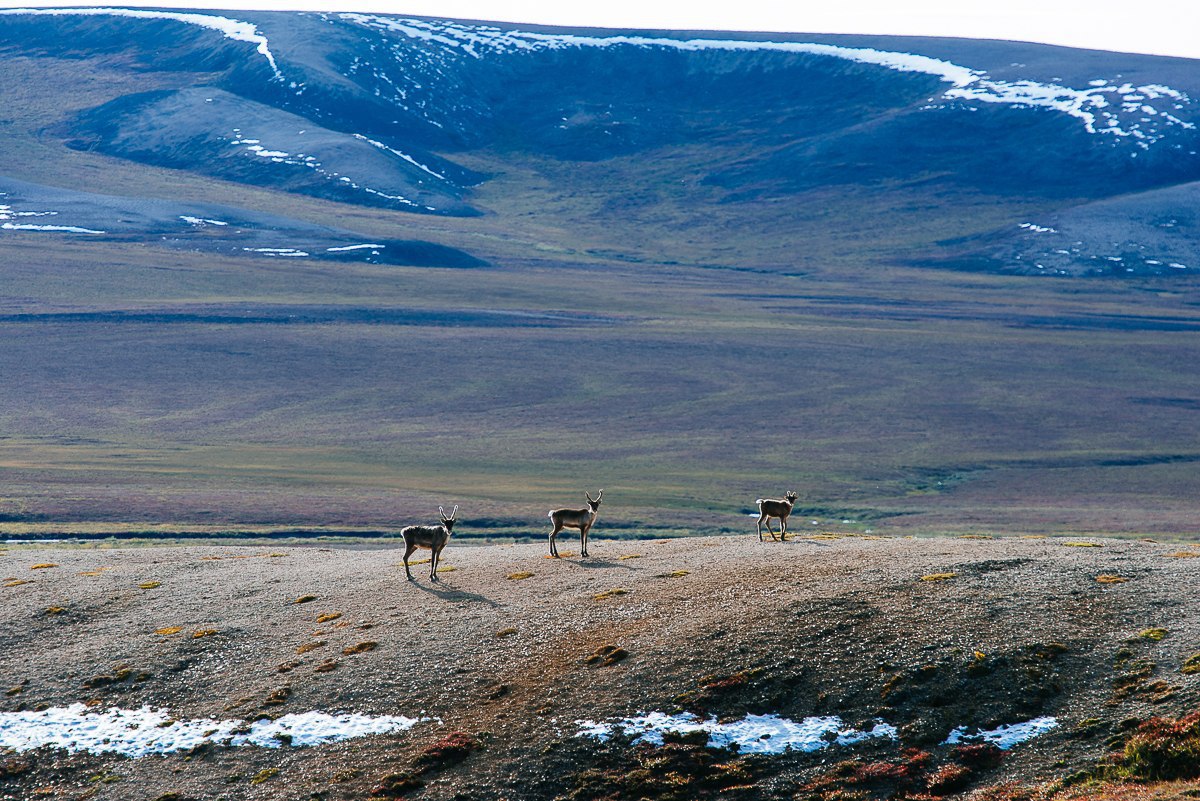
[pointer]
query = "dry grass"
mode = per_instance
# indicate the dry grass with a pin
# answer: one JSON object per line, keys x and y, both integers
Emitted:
{"x": 674, "y": 574}
{"x": 326, "y": 666}
{"x": 938, "y": 576}
{"x": 310, "y": 646}
{"x": 1183, "y": 555}
{"x": 150, "y": 585}
{"x": 1079, "y": 544}
{"x": 1154, "y": 634}
{"x": 167, "y": 631}
{"x": 506, "y": 632}
{"x": 15, "y": 583}
{"x": 360, "y": 648}
{"x": 1191, "y": 665}
{"x": 198, "y": 633}
{"x": 328, "y": 616}
{"x": 520, "y": 575}
{"x": 55, "y": 610}
{"x": 43, "y": 566}
{"x": 976, "y": 537}
{"x": 629, "y": 556}
{"x": 614, "y": 592}
{"x": 305, "y": 599}
{"x": 1108, "y": 578}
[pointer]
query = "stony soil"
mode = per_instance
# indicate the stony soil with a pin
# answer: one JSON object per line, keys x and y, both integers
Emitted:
{"x": 1000, "y": 631}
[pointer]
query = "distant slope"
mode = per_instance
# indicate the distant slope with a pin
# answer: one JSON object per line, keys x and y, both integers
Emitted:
{"x": 411, "y": 114}
{"x": 28, "y": 210}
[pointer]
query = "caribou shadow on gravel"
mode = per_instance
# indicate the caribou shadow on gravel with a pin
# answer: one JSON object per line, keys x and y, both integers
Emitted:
{"x": 457, "y": 596}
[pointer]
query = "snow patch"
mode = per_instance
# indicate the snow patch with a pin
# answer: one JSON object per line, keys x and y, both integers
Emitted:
{"x": 200, "y": 221}
{"x": 1005, "y": 737}
{"x": 1038, "y": 229}
{"x": 145, "y": 731}
{"x": 353, "y": 247}
{"x": 230, "y": 28}
{"x": 404, "y": 156}
{"x": 63, "y": 229}
{"x": 753, "y": 734}
{"x": 288, "y": 252}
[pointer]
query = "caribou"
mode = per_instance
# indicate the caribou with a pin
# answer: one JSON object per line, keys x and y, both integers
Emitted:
{"x": 771, "y": 507}
{"x": 581, "y": 519}
{"x": 432, "y": 537}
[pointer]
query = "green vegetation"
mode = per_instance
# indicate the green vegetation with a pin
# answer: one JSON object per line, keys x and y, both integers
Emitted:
{"x": 736, "y": 348}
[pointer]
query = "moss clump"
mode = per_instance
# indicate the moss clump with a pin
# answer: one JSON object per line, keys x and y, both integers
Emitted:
{"x": 55, "y": 610}
{"x": 149, "y": 585}
{"x": 1154, "y": 635}
{"x": 674, "y": 574}
{"x": 606, "y": 656}
{"x": 395, "y": 785}
{"x": 360, "y": 648}
{"x": 198, "y": 633}
{"x": 328, "y": 616}
{"x": 449, "y": 750}
{"x": 265, "y": 775}
{"x": 305, "y": 599}
{"x": 519, "y": 576}
{"x": 938, "y": 576}
{"x": 506, "y": 632}
{"x": 1108, "y": 578}
{"x": 326, "y": 666}
{"x": 1191, "y": 665}
{"x": 167, "y": 631}
{"x": 614, "y": 592}
{"x": 43, "y": 566}
{"x": 310, "y": 646}
{"x": 120, "y": 673}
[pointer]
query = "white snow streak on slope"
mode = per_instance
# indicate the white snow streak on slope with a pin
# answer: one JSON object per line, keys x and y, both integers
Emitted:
{"x": 753, "y": 734}
{"x": 1005, "y": 737}
{"x": 1092, "y": 105}
{"x": 139, "y": 732}
{"x": 231, "y": 28}
{"x": 65, "y": 229}
{"x": 404, "y": 156}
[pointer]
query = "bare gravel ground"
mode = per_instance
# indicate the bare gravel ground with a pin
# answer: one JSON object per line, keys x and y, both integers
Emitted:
{"x": 999, "y": 631}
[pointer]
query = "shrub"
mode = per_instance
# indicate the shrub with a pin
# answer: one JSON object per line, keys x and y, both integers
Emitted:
{"x": 1163, "y": 749}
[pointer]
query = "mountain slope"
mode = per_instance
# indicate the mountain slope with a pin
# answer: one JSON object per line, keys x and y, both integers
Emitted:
{"x": 412, "y": 113}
